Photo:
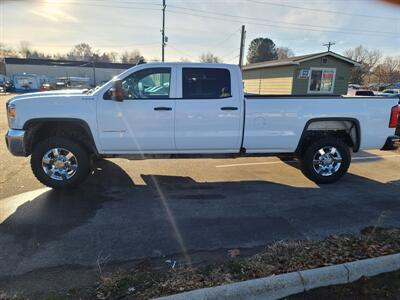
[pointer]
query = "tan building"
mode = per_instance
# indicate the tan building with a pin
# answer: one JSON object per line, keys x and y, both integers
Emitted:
{"x": 97, "y": 72}
{"x": 325, "y": 73}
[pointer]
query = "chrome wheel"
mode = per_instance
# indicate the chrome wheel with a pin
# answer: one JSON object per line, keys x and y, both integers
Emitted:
{"x": 327, "y": 161}
{"x": 59, "y": 164}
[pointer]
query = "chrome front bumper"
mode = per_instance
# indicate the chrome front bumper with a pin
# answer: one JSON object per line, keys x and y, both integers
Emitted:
{"x": 15, "y": 140}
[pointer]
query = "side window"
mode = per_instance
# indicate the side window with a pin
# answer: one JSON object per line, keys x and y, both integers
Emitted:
{"x": 206, "y": 83}
{"x": 153, "y": 83}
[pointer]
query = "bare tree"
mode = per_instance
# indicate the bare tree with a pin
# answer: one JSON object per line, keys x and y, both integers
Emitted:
{"x": 6, "y": 51}
{"x": 388, "y": 71}
{"x": 38, "y": 54}
{"x": 209, "y": 58}
{"x": 367, "y": 58}
{"x": 59, "y": 56}
{"x": 113, "y": 56}
{"x": 24, "y": 49}
{"x": 82, "y": 51}
{"x": 284, "y": 52}
{"x": 131, "y": 57}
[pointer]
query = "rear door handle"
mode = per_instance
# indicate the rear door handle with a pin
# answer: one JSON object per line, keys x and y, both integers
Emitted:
{"x": 229, "y": 108}
{"x": 162, "y": 108}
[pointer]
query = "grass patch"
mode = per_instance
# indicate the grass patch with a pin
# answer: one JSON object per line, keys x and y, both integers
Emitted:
{"x": 280, "y": 257}
{"x": 146, "y": 280}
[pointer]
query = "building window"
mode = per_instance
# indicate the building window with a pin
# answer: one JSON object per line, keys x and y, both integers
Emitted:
{"x": 324, "y": 60}
{"x": 206, "y": 83}
{"x": 322, "y": 80}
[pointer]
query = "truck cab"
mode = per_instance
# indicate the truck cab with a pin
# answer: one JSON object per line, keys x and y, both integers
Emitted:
{"x": 177, "y": 108}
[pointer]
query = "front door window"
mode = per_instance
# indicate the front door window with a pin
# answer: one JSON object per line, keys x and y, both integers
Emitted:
{"x": 153, "y": 83}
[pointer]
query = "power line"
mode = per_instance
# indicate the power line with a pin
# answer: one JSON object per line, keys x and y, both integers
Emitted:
{"x": 230, "y": 53}
{"x": 354, "y": 31}
{"x": 226, "y": 39}
{"x": 323, "y": 10}
{"x": 281, "y": 22}
{"x": 279, "y": 26}
{"x": 182, "y": 52}
{"x": 100, "y": 5}
{"x": 127, "y": 2}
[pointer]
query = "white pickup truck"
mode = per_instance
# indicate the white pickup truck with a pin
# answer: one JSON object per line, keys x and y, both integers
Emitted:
{"x": 186, "y": 109}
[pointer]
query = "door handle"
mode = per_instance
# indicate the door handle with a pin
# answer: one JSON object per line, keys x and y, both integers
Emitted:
{"x": 162, "y": 108}
{"x": 229, "y": 108}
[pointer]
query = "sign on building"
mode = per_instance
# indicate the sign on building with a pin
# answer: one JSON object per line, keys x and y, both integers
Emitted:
{"x": 304, "y": 74}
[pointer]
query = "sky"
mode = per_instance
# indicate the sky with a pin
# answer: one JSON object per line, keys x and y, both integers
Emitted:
{"x": 196, "y": 27}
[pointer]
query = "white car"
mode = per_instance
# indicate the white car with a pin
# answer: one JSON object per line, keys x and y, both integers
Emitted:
{"x": 188, "y": 109}
{"x": 390, "y": 92}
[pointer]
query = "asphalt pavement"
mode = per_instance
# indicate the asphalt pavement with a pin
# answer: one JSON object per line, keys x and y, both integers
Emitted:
{"x": 130, "y": 210}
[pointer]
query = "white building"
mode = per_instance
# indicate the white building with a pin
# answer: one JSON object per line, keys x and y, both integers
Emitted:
{"x": 97, "y": 72}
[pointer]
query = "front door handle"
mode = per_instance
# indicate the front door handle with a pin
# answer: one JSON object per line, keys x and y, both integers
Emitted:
{"x": 229, "y": 108}
{"x": 162, "y": 108}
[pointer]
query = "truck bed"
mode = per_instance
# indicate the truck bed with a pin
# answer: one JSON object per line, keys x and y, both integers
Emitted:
{"x": 277, "y": 125}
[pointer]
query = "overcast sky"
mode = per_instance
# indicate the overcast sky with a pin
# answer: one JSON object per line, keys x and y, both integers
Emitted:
{"x": 194, "y": 27}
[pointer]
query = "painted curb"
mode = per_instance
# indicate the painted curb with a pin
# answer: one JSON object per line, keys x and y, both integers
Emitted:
{"x": 283, "y": 285}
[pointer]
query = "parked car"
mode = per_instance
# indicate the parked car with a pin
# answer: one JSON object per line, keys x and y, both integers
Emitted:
{"x": 363, "y": 93}
{"x": 187, "y": 109}
{"x": 45, "y": 87}
{"x": 390, "y": 92}
{"x": 7, "y": 86}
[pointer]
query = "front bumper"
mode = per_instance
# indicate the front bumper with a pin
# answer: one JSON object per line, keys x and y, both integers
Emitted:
{"x": 392, "y": 143}
{"x": 15, "y": 140}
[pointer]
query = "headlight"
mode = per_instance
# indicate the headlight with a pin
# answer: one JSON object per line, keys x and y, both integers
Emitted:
{"x": 11, "y": 113}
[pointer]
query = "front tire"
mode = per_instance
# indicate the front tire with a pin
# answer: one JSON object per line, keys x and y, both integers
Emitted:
{"x": 60, "y": 162}
{"x": 325, "y": 160}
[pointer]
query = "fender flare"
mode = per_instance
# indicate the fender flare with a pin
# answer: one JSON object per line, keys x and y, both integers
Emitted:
{"x": 82, "y": 123}
{"x": 357, "y": 145}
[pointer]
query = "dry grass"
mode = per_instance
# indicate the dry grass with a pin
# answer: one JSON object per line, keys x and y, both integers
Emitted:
{"x": 280, "y": 257}
{"x": 145, "y": 281}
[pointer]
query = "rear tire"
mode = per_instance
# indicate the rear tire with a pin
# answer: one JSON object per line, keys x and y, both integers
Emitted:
{"x": 325, "y": 160}
{"x": 60, "y": 162}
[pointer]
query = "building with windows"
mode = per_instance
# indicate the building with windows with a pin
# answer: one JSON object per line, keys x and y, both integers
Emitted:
{"x": 325, "y": 73}
{"x": 54, "y": 70}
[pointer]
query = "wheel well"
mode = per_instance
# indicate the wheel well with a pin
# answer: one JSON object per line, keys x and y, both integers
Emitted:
{"x": 76, "y": 130}
{"x": 348, "y": 130}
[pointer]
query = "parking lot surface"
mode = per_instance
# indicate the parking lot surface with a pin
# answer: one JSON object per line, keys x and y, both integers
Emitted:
{"x": 129, "y": 210}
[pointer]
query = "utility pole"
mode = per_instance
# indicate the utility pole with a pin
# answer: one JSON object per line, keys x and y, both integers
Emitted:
{"x": 94, "y": 73}
{"x": 163, "y": 32}
{"x": 328, "y": 45}
{"x": 242, "y": 38}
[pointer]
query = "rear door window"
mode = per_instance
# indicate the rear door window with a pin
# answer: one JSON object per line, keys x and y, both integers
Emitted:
{"x": 206, "y": 83}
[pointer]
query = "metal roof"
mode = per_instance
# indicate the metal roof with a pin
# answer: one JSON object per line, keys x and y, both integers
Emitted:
{"x": 64, "y": 63}
{"x": 296, "y": 60}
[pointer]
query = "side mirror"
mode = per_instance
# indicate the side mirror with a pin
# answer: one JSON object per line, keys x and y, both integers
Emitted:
{"x": 117, "y": 93}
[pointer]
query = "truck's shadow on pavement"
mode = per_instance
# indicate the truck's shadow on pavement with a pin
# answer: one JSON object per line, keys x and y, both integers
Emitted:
{"x": 109, "y": 214}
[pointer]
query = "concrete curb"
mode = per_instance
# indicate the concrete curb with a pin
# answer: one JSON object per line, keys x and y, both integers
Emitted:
{"x": 283, "y": 285}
